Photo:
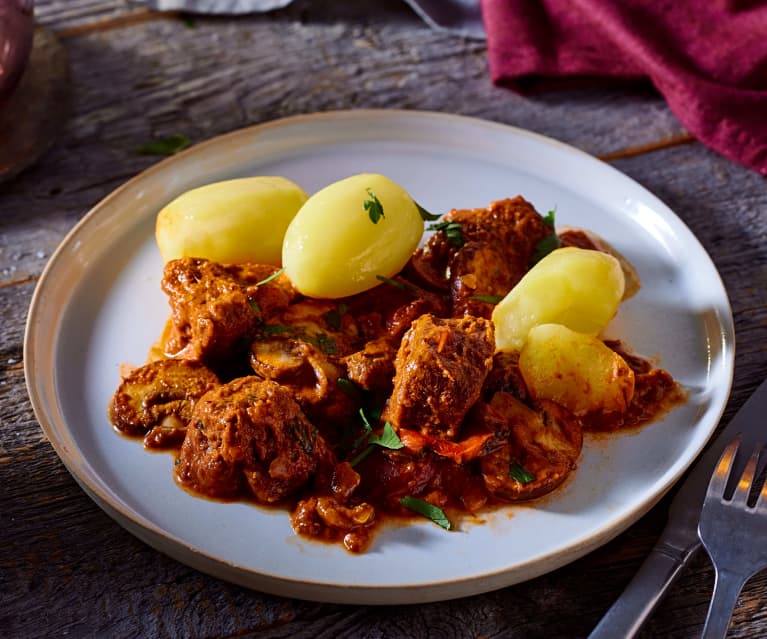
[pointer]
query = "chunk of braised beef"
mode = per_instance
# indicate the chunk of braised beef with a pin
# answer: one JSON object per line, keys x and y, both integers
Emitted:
{"x": 387, "y": 310}
{"x": 250, "y": 436}
{"x": 505, "y": 376}
{"x": 372, "y": 368}
{"x": 495, "y": 250}
{"x": 441, "y": 366}
{"x": 216, "y": 308}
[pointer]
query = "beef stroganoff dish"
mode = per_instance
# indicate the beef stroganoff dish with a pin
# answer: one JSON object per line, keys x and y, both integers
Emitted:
{"x": 320, "y": 357}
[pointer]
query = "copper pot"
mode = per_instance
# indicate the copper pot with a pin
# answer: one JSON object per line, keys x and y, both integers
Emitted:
{"x": 16, "y": 31}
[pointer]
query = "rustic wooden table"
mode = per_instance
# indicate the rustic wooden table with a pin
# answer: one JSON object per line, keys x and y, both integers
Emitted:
{"x": 68, "y": 569}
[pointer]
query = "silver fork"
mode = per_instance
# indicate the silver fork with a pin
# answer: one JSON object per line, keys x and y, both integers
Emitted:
{"x": 734, "y": 535}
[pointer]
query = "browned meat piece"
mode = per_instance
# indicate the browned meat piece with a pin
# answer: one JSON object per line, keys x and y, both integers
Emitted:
{"x": 250, "y": 436}
{"x": 310, "y": 375}
{"x": 505, "y": 376}
{"x": 372, "y": 368}
{"x": 440, "y": 368}
{"x": 389, "y": 475}
{"x": 158, "y": 398}
{"x": 542, "y": 451}
{"x": 496, "y": 248}
{"x": 388, "y": 309}
{"x": 215, "y": 308}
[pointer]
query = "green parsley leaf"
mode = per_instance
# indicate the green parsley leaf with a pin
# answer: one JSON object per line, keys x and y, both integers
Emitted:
{"x": 333, "y": 316}
{"x": 387, "y": 439}
{"x": 374, "y": 207}
{"x": 490, "y": 299}
{"x": 273, "y": 276}
{"x": 254, "y": 305}
{"x": 430, "y": 511}
{"x": 548, "y": 219}
{"x": 324, "y": 342}
{"x": 396, "y": 284}
{"x": 305, "y": 434}
{"x": 520, "y": 473}
{"x": 276, "y": 329}
{"x": 425, "y": 215}
{"x": 349, "y": 388}
{"x": 545, "y": 246}
{"x": 452, "y": 231}
{"x": 165, "y": 146}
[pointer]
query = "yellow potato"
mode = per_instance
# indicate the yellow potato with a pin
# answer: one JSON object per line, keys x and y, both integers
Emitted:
{"x": 339, "y": 242}
{"x": 242, "y": 220}
{"x": 575, "y": 287}
{"x": 575, "y": 370}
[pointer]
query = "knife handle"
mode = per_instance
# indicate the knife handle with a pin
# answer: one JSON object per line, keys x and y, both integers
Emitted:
{"x": 629, "y": 612}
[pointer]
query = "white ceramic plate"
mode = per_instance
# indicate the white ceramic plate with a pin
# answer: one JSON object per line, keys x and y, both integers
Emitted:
{"x": 99, "y": 304}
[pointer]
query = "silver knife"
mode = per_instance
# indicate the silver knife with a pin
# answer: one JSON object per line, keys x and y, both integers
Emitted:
{"x": 679, "y": 540}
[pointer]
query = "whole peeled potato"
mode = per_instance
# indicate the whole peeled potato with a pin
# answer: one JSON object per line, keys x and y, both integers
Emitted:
{"x": 575, "y": 370}
{"x": 348, "y": 234}
{"x": 579, "y": 288}
{"x": 241, "y": 220}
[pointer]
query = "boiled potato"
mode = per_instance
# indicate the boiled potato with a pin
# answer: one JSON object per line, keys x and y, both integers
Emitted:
{"x": 575, "y": 370}
{"x": 348, "y": 234}
{"x": 576, "y": 287}
{"x": 242, "y": 220}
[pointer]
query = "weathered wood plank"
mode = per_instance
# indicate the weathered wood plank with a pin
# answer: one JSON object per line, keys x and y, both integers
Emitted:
{"x": 159, "y": 78}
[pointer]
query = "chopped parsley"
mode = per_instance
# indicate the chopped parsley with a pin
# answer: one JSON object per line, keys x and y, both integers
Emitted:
{"x": 545, "y": 246}
{"x": 276, "y": 329}
{"x": 430, "y": 511}
{"x": 333, "y": 316}
{"x": 349, "y": 388}
{"x": 254, "y": 305}
{"x": 374, "y": 207}
{"x": 165, "y": 146}
{"x": 452, "y": 230}
{"x": 324, "y": 342}
{"x": 400, "y": 285}
{"x": 425, "y": 215}
{"x": 387, "y": 439}
{"x": 273, "y": 276}
{"x": 490, "y": 299}
{"x": 520, "y": 473}
{"x": 305, "y": 434}
{"x": 550, "y": 242}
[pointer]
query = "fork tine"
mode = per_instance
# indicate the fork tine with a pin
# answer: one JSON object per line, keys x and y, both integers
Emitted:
{"x": 721, "y": 474}
{"x": 743, "y": 487}
{"x": 761, "y": 502}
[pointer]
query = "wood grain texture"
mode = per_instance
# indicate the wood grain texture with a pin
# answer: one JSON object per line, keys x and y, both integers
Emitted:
{"x": 65, "y": 567}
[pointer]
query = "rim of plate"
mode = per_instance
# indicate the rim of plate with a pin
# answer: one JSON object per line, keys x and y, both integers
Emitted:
{"x": 47, "y": 411}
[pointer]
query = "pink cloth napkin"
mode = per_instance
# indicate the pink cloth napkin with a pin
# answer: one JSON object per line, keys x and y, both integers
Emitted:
{"x": 708, "y": 58}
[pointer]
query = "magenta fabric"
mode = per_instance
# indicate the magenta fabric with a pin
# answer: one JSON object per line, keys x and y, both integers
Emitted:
{"x": 708, "y": 58}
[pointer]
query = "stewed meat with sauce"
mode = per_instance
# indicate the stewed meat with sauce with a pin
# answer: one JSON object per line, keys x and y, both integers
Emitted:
{"x": 496, "y": 249}
{"x": 250, "y": 437}
{"x": 440, "y": 368}
{"x": 215, "y": 308}
{"x": 340, "y": 409}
